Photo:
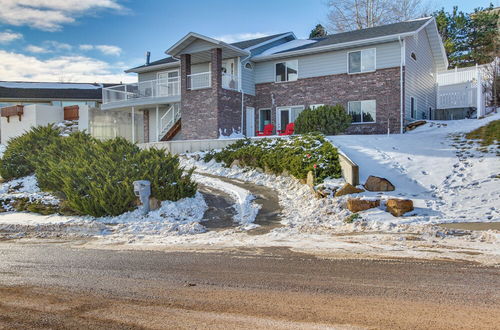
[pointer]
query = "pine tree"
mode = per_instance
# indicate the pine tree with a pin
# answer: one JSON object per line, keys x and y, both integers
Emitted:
{"x": 318, "y": 32}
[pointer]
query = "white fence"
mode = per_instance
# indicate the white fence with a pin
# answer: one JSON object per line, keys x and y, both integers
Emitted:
{"x": 145, "y": 89}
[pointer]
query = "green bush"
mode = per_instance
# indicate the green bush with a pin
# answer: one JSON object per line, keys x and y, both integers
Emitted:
{"x": 326, "y": 119}
{"x": 95, "y": 177}
{"x": 296, "y": 155}
{"x": 23, "y": 151}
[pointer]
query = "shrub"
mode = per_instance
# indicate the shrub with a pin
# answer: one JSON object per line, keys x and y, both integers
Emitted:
{"x": 23, "y": 151}
{"x": 296, "y": 155}
{"x": 96, "y": 177}
{"x": 91, "y": 176}
{"x": 326, "y": 119}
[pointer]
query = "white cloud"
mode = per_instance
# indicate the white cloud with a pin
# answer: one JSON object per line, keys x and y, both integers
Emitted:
{"x": 105, "y": 49}
{"x": 86, "y": 47}
{"x": 50, "y": 15}
{"x": 8, "y": 36}
{"x": 20, "y": 67}
{"x": 229, "y": 38}
{"x": 36, "y": 49}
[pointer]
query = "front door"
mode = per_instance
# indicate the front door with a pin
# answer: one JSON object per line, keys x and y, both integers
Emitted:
{"x": 250, "y": 119}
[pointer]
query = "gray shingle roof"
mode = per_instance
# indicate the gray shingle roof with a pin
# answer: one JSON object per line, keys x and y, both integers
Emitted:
{"x": 374, "y": 32}
{"x": 165, "y": 60}
{"x": 252, "y": 42}
{"x": 60, "y": 93}
{"x": 240, "y": 44}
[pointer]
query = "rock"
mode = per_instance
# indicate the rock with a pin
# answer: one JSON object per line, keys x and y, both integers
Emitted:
{"x": 196, "y": 157}
{"x": 375, "y": 183}
{"x": 348, "y": 189}
{"x": 356, "y": 204}
{"x": 398, "y": 207}
{"x": 235, "y": 163}
{"x": 154, "y": 204}
{"x": 259, "y": 169}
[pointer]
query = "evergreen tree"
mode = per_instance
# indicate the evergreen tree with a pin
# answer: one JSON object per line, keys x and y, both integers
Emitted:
{"x": 318, "y": 32}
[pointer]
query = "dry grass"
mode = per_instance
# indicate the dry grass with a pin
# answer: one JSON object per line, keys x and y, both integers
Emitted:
{"x": 488, "y": 134}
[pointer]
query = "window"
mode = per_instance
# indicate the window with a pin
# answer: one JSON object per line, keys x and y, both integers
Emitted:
{"x": 264, "y": 118}
{"x": 413, "y": 107}
{"x": 362, "y": 111}
{"x": 286, "y": 115}
{"x": 361, "y": 61}
{"x": 315, "y": 106}
{"x": 413, "y": 56}
{"x": 287, "y": 71}
{"x": 248, "y": 66}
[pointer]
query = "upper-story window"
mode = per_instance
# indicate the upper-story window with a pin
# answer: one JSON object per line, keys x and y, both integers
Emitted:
{"x": 287, "y": 71}
{"x": 249, "y": 66}
{"x": 362, "y": 60}
{"x": 413, "y": 56}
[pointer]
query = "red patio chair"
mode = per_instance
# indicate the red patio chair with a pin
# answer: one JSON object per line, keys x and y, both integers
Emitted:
{"x": 268, "y": 130}
{"x": 290, "y": 127}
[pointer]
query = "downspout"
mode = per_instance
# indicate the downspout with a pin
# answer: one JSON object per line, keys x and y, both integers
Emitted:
{"x": 240, "y": 85}
{"x": 401, "y": 97}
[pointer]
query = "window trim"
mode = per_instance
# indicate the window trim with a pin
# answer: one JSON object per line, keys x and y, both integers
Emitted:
{"x": 361, "y": 64}
{"x": 289, "y": 109}
{"x": 285, "y": 81}
{"x": 362, "y": 122}
{"x": 271, "y": 113}
{"x": 250, "y": 68}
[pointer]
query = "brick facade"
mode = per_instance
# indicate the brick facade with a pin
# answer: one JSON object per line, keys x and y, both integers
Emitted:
{"x": 208, "y": 112}
{"x": 382, "y": 85}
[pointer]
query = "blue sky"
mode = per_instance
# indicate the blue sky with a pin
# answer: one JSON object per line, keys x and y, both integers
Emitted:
{"x": 95, "y": 40}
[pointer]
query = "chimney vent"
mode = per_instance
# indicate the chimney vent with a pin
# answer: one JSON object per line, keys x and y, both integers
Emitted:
{"x": 148, "y": 57}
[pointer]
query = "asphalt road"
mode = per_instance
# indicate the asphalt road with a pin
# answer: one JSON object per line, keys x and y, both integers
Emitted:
{"x": 57, "y": 285}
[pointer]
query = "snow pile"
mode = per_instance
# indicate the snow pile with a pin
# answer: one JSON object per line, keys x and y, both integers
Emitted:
{"x": 172, "y": 218}
{"x": 26, "y": 187}
{"x": 235, "y": 134}
{"x": 246, "y": 210}
{"x": 2, "y": 150}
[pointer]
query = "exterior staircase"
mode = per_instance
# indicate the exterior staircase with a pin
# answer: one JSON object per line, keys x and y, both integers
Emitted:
{"x": 170, "y": 123}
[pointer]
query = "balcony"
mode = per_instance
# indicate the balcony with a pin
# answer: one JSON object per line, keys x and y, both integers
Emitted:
{"x": 204, "y": 80}
{"x": 163, "y": 90}
{"x": 199, "y": 80}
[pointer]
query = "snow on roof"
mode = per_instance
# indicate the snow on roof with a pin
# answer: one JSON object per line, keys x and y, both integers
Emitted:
{"x": 286, "y": 46}
{"x": 48, "y": 85}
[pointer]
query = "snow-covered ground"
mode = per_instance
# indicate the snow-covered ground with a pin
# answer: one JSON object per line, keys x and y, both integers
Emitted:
{"x": 446, "y": 177}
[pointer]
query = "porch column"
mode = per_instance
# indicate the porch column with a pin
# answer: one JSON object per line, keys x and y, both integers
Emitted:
{"x": 185, "y": 71}
{"x": 216, "y": 68}
{"x": 157, "y": 126}
{"x": 133, "y": 124}
{"x": 146, "y": 125}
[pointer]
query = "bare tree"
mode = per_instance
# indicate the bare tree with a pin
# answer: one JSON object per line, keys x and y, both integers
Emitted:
{"x": 348, "y": 15}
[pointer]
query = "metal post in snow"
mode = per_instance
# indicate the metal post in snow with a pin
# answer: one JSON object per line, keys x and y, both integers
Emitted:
{"x": 479, "y": 94}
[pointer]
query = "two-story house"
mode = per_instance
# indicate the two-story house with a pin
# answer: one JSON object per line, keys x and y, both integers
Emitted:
{"x": 384, "y": 77}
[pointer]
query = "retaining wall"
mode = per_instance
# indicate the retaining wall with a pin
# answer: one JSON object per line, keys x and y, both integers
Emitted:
{"x": 350, "y": 170}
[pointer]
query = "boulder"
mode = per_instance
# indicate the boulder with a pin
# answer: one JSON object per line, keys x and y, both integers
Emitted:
{"x": 375, "y": 183}
{"x": 398, "y": 207}
{"x": 235, "y": 163}
{"x": 357, "y": 205}
{"x": 348, "y": 189}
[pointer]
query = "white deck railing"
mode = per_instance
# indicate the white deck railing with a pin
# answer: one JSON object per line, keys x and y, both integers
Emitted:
{"x": 199, "y": 80}
{"x": 145, "y": 89}
{"x": 168, "y": 120}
